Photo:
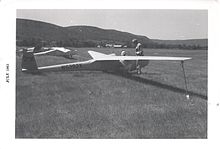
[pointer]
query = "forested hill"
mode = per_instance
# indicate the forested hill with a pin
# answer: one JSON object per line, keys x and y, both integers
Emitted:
{"x": 31, "y": 32}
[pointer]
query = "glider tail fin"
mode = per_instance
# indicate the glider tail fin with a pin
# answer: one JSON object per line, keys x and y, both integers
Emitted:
{"x": 28, "y": 62}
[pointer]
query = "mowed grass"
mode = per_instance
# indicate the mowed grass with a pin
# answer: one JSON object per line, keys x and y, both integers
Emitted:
{"x": 105, "y": 105}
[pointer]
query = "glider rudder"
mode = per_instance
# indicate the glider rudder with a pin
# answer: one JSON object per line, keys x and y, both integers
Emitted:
{"x": 28, "y": 61}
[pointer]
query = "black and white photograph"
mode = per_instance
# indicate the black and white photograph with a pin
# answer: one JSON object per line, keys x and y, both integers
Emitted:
{"x": 111, "y": 73}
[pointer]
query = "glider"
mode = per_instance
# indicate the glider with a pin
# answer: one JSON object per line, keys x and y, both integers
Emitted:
{"x": 100, "y": 62}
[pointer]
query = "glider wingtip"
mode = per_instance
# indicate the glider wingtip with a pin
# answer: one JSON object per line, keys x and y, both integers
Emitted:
{"x": 186, "y": 58}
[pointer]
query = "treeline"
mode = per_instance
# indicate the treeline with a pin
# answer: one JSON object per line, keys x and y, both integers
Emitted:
{"x": 174, "y": 46}
{"x": 92, "y": 43}
{"x": 61, "y": 43}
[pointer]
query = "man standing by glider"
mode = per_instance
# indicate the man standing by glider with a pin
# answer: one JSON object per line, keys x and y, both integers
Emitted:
{"x": 139, "y": 52}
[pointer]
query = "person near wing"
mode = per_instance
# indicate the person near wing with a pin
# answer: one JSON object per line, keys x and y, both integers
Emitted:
{"x": 138, "y": 47}
{"x": 139, "y": 52}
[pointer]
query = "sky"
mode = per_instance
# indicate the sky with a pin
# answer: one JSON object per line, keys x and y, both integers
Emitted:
{"x": 164, "y": 24}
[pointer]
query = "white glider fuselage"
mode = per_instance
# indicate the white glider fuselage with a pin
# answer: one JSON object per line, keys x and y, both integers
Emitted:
{"x": 93, "y": 65}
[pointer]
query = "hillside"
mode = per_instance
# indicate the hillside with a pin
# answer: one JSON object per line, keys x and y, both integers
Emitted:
{"x": 28, "y": 29}
{"x": 30, "y": 33}
{"x": 35, "y": 30}
{"x": 94, "y": 33}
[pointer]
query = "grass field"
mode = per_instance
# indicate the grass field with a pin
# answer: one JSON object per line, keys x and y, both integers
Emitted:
{"x": 104, "y": 105}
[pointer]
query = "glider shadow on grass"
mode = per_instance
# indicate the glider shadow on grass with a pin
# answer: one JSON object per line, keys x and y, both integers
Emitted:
{"x": 145, "y": 81}
{"x": 158, "y": 84}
